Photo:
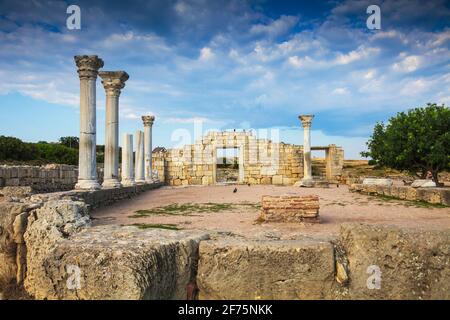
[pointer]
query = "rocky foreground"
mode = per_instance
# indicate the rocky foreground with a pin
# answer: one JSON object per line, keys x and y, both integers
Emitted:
{"x": 48, "y": 250}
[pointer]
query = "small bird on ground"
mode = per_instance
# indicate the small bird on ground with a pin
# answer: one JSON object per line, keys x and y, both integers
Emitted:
{"x": 337, "y": 185}
{"x": 235, "y": 190}
{"x": 249, "y": 184}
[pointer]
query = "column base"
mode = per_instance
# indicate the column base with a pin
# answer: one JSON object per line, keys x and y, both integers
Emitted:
{"x": 141, "y": 181}
{"x": 111, "y": 183}
{"x": 128, "y": 183}
{"x": 87, "y": 185}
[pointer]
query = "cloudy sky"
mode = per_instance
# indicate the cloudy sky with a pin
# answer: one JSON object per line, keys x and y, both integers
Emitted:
{"x": 225, "y": 64}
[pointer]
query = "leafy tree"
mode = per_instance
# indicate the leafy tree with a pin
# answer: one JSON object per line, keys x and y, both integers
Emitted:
{"x": 417, "y": 141}
{"x": 71, "y": 142}
{"x": 15, "y": 149}
{"x": 56, "y": 153}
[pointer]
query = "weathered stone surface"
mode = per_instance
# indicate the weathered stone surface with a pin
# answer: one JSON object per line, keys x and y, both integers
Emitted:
{"x": 116, "y": 262}
{"x": 431, "y": 195}
{"x": 290, "y": 208}
{"x": 424, "y": 183}
{"x": 414, "y": 264}
{"x": 377, "y": 182}
{"x": 12, "y": 215}
{"x": 237, "y": 269}
{"x": 47, "y": 226}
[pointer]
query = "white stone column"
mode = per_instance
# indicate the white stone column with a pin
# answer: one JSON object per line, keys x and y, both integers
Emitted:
{"x": 127, "y": 161}
{"x": 87, "y": 166}
{"x": 113, "y": 82}
{"x": 139, "y": 167}
{"x": 307, "y": 171}
{"x": 148, "y": 124}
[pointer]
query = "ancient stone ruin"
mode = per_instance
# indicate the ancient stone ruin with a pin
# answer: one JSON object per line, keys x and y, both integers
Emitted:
{"x": 50, "y": 250}
{"x": 290, "y": 208}
{"x": 260, "y": 161}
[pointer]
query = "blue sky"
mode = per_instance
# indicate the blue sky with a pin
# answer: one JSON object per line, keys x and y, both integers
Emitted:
{"x": 229, "y": 64}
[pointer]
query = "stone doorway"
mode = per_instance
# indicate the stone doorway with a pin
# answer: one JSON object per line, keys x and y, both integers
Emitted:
{"x": 228, "y": 165}
{"x": 319, "y": 164}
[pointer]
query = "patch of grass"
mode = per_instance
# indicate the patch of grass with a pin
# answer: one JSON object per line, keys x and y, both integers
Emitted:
{"x": 191, "y": 209}
{"x": 168, "y": 226}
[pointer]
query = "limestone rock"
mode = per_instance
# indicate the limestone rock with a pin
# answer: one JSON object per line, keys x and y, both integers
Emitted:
{"x": 377, "y": 182}
{"x": 113, "y": 262}
{"x": 53, "y": 222}
{"x": 290, "y": 208}
{"x": 414, "y": 264}
{"x": 424, "y": 183}
{"x": 9, "y": 238}
{"x": 244, "y": 269}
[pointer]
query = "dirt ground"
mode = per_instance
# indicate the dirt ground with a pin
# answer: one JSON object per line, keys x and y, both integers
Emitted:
{"x": 337, "y": 205}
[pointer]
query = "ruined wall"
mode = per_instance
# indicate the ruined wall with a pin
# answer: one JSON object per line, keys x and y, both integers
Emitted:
{"x": 39, "y": 179}
{"x": 261, "y": 161}
{"x": 335, "y": 163}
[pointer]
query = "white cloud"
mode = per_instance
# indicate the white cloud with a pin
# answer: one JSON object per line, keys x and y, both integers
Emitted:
{"x": 408, "y": 64}
{"x": 341, "y": 91}
{"x": 275, "y": 28}
{"x": 355, "y": 55}
{"x": 206, "y": 54}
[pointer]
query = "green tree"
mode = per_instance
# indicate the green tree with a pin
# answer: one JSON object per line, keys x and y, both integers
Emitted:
{"x": 71, "y": 142}
{"x": 56, "y": 153}
{"x": 417, "y": 141}
{"x": 15, "y": 149}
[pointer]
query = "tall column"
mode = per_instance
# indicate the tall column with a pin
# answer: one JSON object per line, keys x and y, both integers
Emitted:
{"x": 148, "y": 123}
{"x": 307, "y": 172}
{"x": 113, "y": 82}
{"x": 87, "y": 166}
{"x": 127, "y": 161}
{"x": 139, "y": 167}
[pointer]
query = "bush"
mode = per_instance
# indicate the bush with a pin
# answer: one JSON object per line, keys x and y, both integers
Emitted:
{"x": 15, "y": 149}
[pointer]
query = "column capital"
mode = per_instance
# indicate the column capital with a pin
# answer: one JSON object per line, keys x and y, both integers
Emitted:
{"x": 148, "y": 120}
{"x": 306, "y": 120}
{"x": 113, "y": 81}
{"x": 88, "y": 66}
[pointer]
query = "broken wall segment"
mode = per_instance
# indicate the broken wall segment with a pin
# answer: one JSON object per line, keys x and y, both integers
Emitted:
{"x": 431, "y": 195}
{"x": 290, "y": 208}
{"x": 47, "y": 178}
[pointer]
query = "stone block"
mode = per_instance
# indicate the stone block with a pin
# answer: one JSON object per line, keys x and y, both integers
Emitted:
{"x": 296, "y": 269}
{"x": 277, "y": 179}
{"x": 414, "y": 263}
{"x": 290, "y": 208}
{"x": 423, "y": 183}
{"x": 377, "y": 181}
{"x": 116, "y": 262}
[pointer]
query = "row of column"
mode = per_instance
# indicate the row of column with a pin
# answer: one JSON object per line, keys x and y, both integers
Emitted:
{"x": 113, "y": 82}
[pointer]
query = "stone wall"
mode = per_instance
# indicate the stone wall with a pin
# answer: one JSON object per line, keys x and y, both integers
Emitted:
{"x": 412, "y": 264}
{"x": 260, "y": 161}
{"x": 31, "y": 228}
{"x": 39, "y": 179}
{"x": 430, "y": 195}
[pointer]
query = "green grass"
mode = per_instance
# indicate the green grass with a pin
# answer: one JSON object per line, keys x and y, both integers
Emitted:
{"x": 168, "y": 226}
{"x": 191, "y": 209}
